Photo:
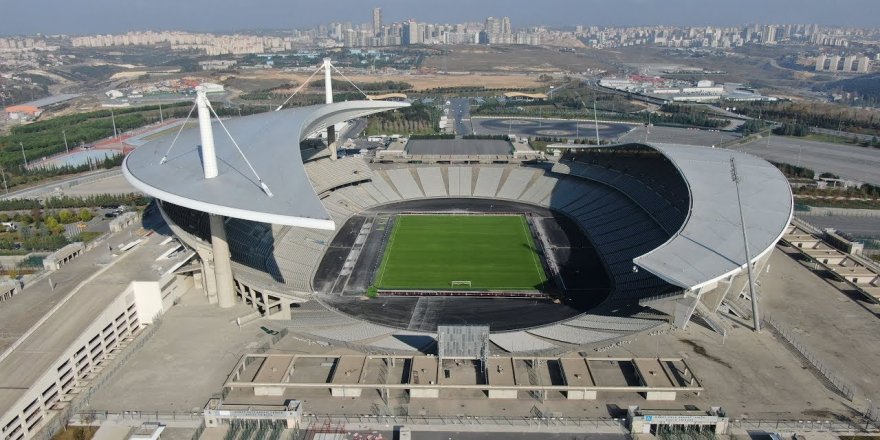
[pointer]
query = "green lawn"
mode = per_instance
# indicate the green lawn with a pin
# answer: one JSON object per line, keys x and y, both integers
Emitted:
{"x": 429, "y": 251}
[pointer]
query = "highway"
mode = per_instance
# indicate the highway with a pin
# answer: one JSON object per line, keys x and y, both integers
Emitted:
{"x": 849, "y": 162}
{"x": 845, "y": 134}
{"x": 460, "y": 112}
{"x": 48, "y": 187}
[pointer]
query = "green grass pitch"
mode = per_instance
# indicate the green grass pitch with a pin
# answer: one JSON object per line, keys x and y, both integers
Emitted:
{"x": 430, "y": 251}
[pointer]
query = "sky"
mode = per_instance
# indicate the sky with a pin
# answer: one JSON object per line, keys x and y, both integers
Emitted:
{"x": 82, "y": 17}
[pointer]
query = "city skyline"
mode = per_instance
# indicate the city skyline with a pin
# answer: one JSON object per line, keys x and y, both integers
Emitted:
{"x": 103, "y": 16}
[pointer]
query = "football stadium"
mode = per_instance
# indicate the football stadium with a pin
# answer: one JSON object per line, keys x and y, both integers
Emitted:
{"x": 551, "y": 255}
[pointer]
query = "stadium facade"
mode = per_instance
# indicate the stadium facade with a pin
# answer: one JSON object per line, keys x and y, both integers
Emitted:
{"x": 676, "y": 228}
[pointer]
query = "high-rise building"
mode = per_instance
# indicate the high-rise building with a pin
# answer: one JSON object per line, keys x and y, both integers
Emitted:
{"x": 835, "y": 62}
{"x": 864, "y": 64}
{"x": 377, "y": 21}
{"x": 411, "y": 33}
{"x": 493, "y": 26}
{"x": 349, "y": 38}
{"x": 769, "y": 35}
{"x": 848, "y": 63}
{"x": 498, "y": 31}
{"x": 820, "y": 62}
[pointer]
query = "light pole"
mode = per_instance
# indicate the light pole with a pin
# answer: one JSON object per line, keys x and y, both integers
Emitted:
{"x": 64, "y": 133}
{"x": 22, "y": 154}
{"x": 113, "y": 118}
{"x": 161, "y": 117}
{"x": 3, "y": 173}
{"x": 756, "y": 319}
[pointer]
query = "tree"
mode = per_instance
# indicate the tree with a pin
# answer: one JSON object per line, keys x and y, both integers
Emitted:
{"x": 53, "y": 225}
{"x": 85, "y": 215}
{"x": 36, "y": 215}
{"x": 65, "y": 216}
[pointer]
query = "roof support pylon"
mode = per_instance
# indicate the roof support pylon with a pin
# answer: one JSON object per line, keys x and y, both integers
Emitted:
{"x": 209, "y": 153}
{"x": 328, "y": 88}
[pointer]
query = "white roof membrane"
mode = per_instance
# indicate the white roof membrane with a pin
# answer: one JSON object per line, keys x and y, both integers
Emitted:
{"x": 270, "y": 141}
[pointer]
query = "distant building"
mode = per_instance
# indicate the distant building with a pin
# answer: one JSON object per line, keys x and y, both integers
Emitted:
{"x": 33, "y": 109}
{"x": 864, "y": 64}
{"x": 820, "y": 62}
{"x": 22, "y": 112}
{"x": 212, "y": 87}
{"x": 834, "y": 64}
{"x": 377, "y": 21}
{"x": 411, "y": 34}
{"x": 769, "y": 35}
{"x": 217, "y": 64}
{"x": 497, "y": 31}
{"x": 519, "y": 96}
{"x": 397, "y": 97}
{"x": 848, "y": 63}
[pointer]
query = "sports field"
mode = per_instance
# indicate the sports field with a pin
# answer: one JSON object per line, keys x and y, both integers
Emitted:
{"x": 431, "y": 251}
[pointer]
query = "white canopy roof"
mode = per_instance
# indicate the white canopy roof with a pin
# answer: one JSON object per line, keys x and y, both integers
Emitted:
{"x": 270, "y": 141}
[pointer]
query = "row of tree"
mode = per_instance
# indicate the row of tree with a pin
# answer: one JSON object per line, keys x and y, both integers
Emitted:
{"x": 792, "y": 129}
{"x": 826, "y": 116}
{"x": 417, "y": 118}
{"x": 792, "y": 171}
{"x": 130, "y": 199}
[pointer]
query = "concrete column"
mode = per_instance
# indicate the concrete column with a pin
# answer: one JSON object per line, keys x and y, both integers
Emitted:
{"x": 222, "y": 262}
{"x": 331, "y": 142}
{"x": 210, "y": 281}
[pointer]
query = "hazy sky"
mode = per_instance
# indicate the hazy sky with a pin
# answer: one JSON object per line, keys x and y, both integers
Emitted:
{"x": 106, "y": 16}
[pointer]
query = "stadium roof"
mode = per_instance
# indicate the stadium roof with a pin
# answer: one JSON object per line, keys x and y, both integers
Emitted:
{"x": 270, "y": 141}
{"x": 709, "y": 245}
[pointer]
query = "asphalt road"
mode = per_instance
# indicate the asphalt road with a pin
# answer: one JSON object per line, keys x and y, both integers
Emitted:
{"x": 676, "y": 135}
{"x": 846, "y": 134}
{"x": 45, "y": 188}
{"x": 849, "y": 162}
{"x": 860, "y": 227}
{"x": 548, "y": 128}
{"x": 460, "y": 113}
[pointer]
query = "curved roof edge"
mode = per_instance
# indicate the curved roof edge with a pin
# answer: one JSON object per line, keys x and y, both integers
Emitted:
{"x": 271, "y": 143}
{"x": 709, "y": 245}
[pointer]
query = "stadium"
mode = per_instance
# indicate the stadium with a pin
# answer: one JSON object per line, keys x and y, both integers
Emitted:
{"x": 552, "y": 255}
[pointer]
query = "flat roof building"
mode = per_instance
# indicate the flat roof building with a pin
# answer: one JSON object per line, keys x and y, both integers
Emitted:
{"x": 33, "y": 109}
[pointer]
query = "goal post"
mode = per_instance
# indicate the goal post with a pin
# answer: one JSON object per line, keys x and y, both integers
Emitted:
{"x": 460, "y": 283}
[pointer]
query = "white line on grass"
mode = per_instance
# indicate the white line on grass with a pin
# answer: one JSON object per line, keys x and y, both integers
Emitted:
{"x": 386, "y": 257}
{"x": 531, "y": 242}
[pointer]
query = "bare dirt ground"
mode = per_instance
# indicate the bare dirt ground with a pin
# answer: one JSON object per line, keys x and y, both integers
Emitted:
{"x": 512, "y": 59}
{"x": 251, "y": 81}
